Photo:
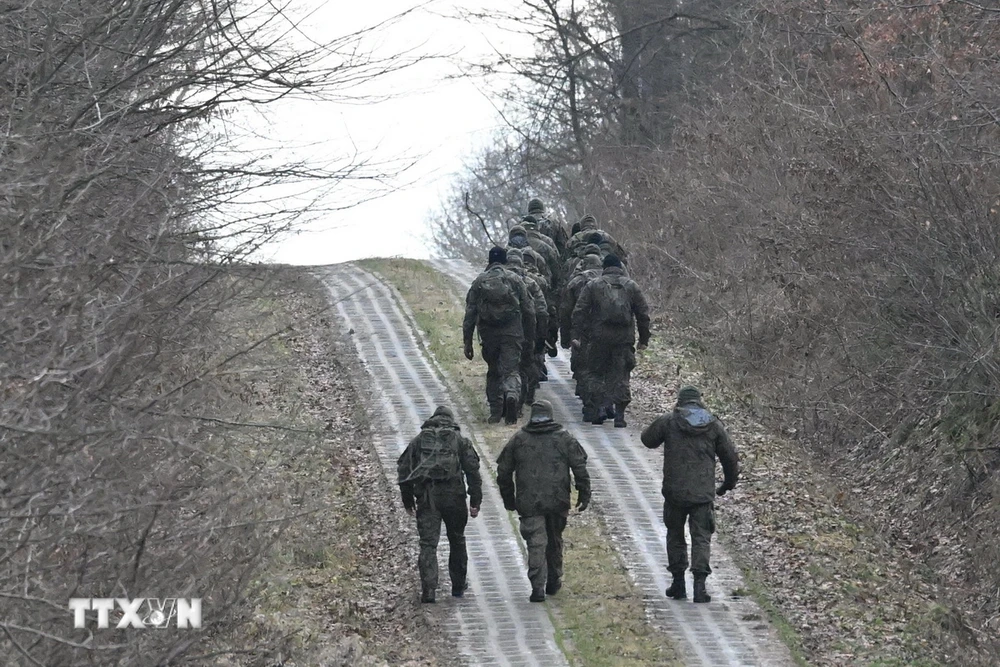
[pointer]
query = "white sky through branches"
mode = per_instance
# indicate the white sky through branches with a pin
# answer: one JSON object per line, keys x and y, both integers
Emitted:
{"x": 427, "y": 120}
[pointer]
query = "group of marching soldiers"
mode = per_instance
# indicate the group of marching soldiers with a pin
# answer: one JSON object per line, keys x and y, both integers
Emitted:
{"x": 547, "y": 288}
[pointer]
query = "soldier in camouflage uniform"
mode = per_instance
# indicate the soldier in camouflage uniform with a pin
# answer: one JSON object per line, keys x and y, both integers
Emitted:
{"x": 588, "y": 229}
{"x": 437, "y": 500}
{"x": 589, "y": 269}
{"x": 533, "y": 473}
{"x": 692, "y": 438}
{"x": 544, "y": 246}
{"x": 551, "y": 228}
{"x": 608, "y": 312}
{"x": 517, "y": 237}
{"x": 529, "y": 353}
{"x": 498, "y": 305}
{"x": 532, "y": 262}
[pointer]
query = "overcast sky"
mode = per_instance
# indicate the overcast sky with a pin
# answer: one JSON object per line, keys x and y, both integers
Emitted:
{"x": 437, "y": 120}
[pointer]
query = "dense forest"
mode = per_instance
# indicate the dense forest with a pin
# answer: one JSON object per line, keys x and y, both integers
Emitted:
{"x": 809, "y": 189}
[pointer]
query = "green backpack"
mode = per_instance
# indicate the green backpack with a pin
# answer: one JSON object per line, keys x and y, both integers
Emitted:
{"x": 614, "y": 306}
{"x": 437, "y": 451}
{"x": 498, "y": 304}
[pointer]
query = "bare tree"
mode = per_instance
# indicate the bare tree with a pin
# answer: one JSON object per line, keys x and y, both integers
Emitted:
{"x": 122, "y": 466}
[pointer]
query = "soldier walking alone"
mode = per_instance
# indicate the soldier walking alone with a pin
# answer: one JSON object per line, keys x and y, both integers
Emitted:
{"x": 533, "y": 473}
{"x": 432, "y": 473}
{"x": 692, "y": 440}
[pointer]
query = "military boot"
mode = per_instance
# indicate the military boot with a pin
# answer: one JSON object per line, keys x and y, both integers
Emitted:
{"x": 458, "y": 591}
{"x": 589, "y": 412}
{"x": 620, "y": 415}
{"x": 427, "y": 595}
{"x": 678, "y": 589}
{"x": 700, "y": 595}
{"x": 552, "y": 586}
{"x": 510, "y": 409}
{"x": 496, "y": 414}
{"x": 537, "y": 595}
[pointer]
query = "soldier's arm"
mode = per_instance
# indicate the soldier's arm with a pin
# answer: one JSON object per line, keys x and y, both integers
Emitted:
{"x": 728, "y": 457}
{"x": 581, "y": 311}
{"x": 470, "y": 466}
{"x": 404, "y": 468}
{"x": 505, "y": 474}
{"x": 641, "y": 311}
{"x": 565, "y": 315}
{"x": 655, "y": 434}
{"x": 527, "y": 310}
{"x": 471, "y": 313}
{"x": 578, "y": 464}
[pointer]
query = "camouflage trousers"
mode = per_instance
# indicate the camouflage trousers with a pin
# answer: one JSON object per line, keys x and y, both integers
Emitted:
{"x": 701, "y": 521}
{"x": 609, "y": 367}
{"x": 543, "y": 535}
{"x": 529, "y": 376}
{"x": 431, "y": 512}
{"x": 502, "y": 355}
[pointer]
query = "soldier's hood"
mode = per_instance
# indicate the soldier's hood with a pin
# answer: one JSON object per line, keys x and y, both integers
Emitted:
{"x": 542, "y": 427}
{"x": 693, "y": 418}
{"x": 440, "y": 421}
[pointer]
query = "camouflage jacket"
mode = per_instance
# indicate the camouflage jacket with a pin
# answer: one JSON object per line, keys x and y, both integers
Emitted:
{"x": 417, "y": 490}
{"x": 692, "y": 440}
{"x": 533, "y": 470}
{"x": 589, "y": 321}
{"x": 521, "y": 324}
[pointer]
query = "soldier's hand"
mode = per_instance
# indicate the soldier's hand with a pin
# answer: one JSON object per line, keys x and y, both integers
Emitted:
{"x": 576, "y": 344}
{"x": 721, "y": 491}
{"x": 582, "y": 504}
{"x": 409, "y": 510}
{"x": 469, "y": 354}
{"x": 473, "y": 512}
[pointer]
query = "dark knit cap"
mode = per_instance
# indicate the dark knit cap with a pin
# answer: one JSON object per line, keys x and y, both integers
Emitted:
{"x": 595, "y": 238}
{"x": 498, "y": 255}
{"x": 591, "y": 249}
{"x": 444, "y": 411}
{"x": 688, "y": 394}
{"x": 529, "y": 222}
{"x": 541, "y": 412}
{"x": 612, "y": 260}
{"x": 536, "y": 206}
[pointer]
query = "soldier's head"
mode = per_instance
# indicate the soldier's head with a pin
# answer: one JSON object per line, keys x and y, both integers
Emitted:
{"x": 498, "y": 255}
{"x": 687, "y": 395}
{"x": 590, "y": 262}
{"x": 541, "y": 412}
{"x": 530, "y": 261}
{"x": 595, "y": 238}
{"x": 529, "y": 222}
{"x": 517, "y": 237}
{"x": 444, "y": 411}
{"x": 536, "y": 206}
{"x": 592, "y": 249}
{"x": 612, "y": 261}
{"x": 587, "y": 223}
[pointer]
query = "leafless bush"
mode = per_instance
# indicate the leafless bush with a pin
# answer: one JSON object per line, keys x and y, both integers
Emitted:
{"x": 120, "y": 473}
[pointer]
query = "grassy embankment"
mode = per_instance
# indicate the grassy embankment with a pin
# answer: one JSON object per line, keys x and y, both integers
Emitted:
{"x": 834, "y": 589}
{"x": 336, "y": 586}
{"x": 599, "y": 613}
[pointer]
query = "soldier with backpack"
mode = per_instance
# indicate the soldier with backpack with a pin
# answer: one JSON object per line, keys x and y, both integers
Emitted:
{"x": 498, "y": 305}
{"x": 432, "y": 473}
{"x": 533, "y": 473}
{"x": 607, "y": 313}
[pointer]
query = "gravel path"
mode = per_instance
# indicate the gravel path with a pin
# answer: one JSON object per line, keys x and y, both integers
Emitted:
{"x": 729, "y": 630}
{"x": 494, "y": 623}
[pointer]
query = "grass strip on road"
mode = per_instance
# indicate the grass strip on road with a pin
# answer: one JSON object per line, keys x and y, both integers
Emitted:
{"x": 599, "y": 613}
